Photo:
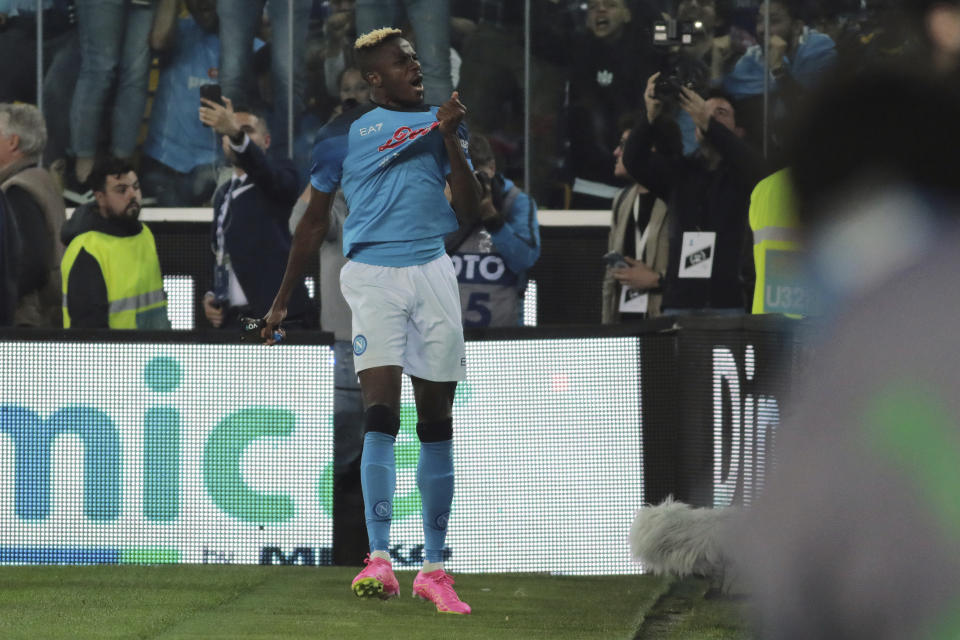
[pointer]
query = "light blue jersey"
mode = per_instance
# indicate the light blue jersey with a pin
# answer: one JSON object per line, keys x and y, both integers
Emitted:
{"x": 176, "y": 136}
{"x": 392, "y": 166}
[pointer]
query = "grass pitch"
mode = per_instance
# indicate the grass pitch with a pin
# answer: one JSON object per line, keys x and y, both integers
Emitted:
{"x": 252, "y": 602}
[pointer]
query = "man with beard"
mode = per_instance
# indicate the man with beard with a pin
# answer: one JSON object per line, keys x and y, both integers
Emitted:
{"x": 110, "y": 271}
{"x": 393, "y": 158}
{"x": 250, "y": 237}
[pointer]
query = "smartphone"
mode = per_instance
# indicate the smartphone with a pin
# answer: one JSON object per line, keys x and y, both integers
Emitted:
{"x": 615, "y": 260}
{"x": 211, "y": 92}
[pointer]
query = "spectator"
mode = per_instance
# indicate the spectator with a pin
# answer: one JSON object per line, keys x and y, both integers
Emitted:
{"x": 348, "y": 421}
{"x": 180, "y": 155}
{"x": 605, "y": 66}
{"x": 639, "y": 231}
{"x": 18, "y": 24}
{"x": 250, "y": 235}
{"x": 492, "y": 256}
{"x": 37, "y": 205}
{"x": 707, "y": 195}
{"x": 238, "y": 26}
{"x": 492, "y": 75}
{"x": 9, "y": 263}
{"x": 110, "y": 270}
{"x": 114, "y": 55}
{"x": 339, "y": 32}
{"x": 797, "y": 52}
{"x": 353, "y": 90}
{"x": 431, "y": 21}
{"x": 798, "y": 56}
{"x": 61, "y": 65}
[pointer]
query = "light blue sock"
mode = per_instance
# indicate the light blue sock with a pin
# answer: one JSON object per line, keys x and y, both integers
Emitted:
{"x": 378, "y": 478}
{"x": 435, "y": 480}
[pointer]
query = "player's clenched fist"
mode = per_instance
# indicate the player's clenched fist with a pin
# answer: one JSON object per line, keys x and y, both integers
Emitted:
{"x": 451, "y": 114}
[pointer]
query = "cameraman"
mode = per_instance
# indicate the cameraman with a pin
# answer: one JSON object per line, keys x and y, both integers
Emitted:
{"x": 492, "y": 256}
{"x": 708, "y": 195}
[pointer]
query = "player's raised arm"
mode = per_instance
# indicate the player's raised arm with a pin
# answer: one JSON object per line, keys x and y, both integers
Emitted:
{"x": 307, "y": 237}
{"x": 464, "y": 186}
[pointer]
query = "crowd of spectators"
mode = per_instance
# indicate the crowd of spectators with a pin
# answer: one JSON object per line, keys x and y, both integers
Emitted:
{"x": 667, "y": 112}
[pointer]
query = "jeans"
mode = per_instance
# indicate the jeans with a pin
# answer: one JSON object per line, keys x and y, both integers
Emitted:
{"x": 347, "y": 409}
{"x": 238, "y": 25}
{"x": 174, "y": 189}
{"x": 431, "y": 24}
{"x": 114, "y": 52}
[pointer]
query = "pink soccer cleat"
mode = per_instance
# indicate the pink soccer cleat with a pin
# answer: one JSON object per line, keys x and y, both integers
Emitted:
{"x": 437, "y": 586}
{"x": 376, "y": 580}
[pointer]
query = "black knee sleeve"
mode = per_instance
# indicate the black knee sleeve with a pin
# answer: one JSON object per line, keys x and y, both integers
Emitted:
{"x": 380, "y": 417}
{"x": 438, "y": 431}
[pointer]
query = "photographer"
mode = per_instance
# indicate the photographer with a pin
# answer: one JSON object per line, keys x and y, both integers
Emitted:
{"x": 492, "y": 257}
{"x": 708, "y": 194}
{"x": 697, "y": 58}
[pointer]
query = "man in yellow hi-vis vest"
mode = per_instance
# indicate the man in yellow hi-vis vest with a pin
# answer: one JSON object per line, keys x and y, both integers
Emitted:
{"x": 110, "y": 271}
{"x": 777, "y": 248}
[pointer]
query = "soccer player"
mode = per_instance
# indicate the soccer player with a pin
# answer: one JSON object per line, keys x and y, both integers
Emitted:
{"x": 393, "y": 157}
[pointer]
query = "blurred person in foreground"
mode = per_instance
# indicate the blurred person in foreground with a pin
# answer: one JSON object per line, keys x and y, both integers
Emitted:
{"x": 110, "y": 270}
{"x": 858, "y": 532}
{"x": 708, "y": 196}
{"x": 492, "y": 256}
{"x": 180, "y": 155}
{"x": 38, "y": 206}
{"x": 250, "y": 237}
{"x": 640, "y": 232}
{"x": 400, "y": 286}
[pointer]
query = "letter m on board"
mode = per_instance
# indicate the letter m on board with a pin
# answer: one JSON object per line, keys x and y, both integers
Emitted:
{"x": 33, "y": 441}
{"x": 300, "y": 555}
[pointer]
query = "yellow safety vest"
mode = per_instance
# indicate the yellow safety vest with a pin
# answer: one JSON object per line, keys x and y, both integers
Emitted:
{"x": 777, "y": 250}
{"x": 131, "y": 270}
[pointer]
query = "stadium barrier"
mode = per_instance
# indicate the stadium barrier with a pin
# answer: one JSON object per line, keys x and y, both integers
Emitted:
{"x": 191, "y": 447}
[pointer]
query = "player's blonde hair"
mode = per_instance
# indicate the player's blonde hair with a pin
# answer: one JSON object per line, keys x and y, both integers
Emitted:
{"x": 373, "y": 38}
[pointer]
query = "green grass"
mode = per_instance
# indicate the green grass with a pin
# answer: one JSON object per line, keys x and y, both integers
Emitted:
{"x": 252, "y": 602}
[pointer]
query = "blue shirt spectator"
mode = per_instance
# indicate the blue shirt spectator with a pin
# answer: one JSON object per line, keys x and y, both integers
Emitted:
{"x": 181, "y": 155}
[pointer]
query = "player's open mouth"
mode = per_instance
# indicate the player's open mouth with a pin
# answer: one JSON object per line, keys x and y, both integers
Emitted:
{"x": 602, "y": 23}
{"x": 417, "y": 82}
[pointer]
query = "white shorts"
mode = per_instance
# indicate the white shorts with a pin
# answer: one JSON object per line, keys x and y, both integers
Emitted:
{"x": 408, "y": 317}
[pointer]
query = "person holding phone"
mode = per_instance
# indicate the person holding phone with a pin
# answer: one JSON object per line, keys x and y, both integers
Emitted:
{"x": 249, "y": 236}
{"x": 638, "y": 243}
{"x": 181, "y": 156}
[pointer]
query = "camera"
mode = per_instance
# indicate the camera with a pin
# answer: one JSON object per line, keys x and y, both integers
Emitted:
{"x": 496, "y": 185}
{"x": 670, "y": 32}
{"x": 681, "y": 72}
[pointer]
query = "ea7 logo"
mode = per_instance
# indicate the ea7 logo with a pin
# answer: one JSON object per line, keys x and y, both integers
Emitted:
{"x": 375, "y": 128}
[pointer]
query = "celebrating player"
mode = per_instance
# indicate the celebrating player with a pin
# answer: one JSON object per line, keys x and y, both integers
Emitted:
{"x": 393, "y": 157}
